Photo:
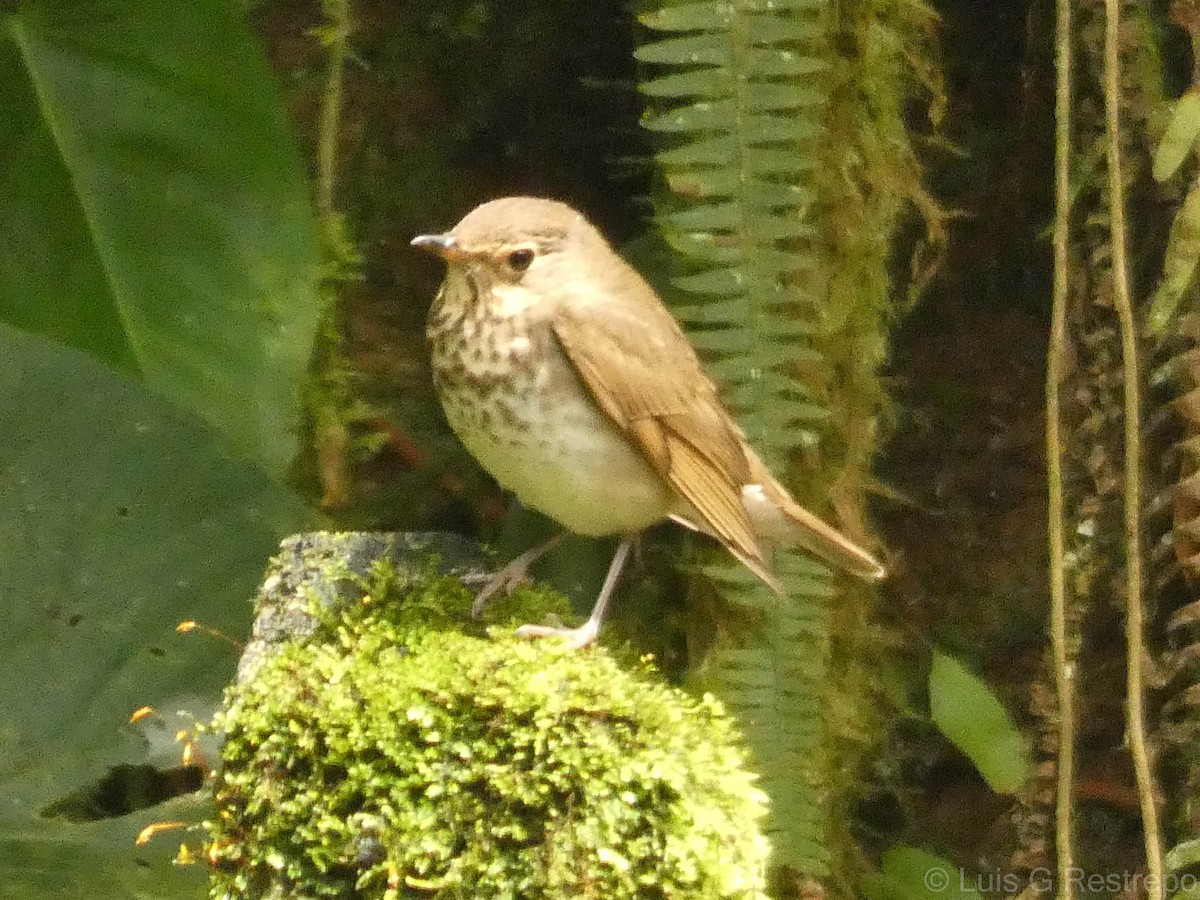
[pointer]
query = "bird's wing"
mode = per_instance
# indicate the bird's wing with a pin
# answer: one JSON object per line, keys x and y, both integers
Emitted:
{"x": 644, "y": 375}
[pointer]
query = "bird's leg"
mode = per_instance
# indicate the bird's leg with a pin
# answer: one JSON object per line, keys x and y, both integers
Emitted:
{"x": 514, "y": 573}
{"x": 587, "y": 633}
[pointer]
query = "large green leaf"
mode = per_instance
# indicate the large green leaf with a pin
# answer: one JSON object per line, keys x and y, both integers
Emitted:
{"x": 98, "y": 860}
{"x": 120, "y": 515}
{"x": 51, "y": 281}
{"x": 155, "y": 211}
{"x": 971, "y": 716}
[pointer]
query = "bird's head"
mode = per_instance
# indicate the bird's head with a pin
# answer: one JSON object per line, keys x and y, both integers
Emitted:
{"x": 518, "y": 251}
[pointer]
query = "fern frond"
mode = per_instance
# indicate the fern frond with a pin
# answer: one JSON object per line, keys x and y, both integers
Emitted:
{"x": 739, "y": 97}
{"x": 789, "y": 168}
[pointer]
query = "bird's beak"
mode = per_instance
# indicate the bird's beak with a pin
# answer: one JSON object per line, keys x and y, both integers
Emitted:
{"x": 444, "y": 245}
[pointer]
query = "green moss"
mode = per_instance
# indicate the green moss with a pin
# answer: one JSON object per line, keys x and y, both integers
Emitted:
{"x": 392, "y": 755}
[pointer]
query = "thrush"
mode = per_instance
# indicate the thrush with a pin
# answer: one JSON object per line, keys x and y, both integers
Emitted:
{"x": 565, "y": 376}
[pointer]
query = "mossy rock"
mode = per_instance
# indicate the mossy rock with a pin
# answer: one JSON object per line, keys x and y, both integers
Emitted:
{"x": 391, "y": 754}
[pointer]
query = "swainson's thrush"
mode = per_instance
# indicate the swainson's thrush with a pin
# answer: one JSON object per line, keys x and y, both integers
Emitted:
{"x": 562, "y": 372}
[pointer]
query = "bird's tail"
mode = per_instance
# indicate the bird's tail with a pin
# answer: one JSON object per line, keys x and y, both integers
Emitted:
{"x": 781, "y": 520}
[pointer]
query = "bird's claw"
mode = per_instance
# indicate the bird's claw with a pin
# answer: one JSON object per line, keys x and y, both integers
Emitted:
{"x": 504, "y": 581}
{"x": 574, "y": 638}
{"x": 512, "y": 575}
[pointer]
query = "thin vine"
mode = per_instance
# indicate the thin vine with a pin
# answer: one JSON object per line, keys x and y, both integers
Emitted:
{"x": 1064, "y": 671}
{"x": 1135, "y": 649}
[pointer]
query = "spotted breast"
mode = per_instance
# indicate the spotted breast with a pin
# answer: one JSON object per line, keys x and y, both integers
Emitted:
{"x": 518, "y": 406}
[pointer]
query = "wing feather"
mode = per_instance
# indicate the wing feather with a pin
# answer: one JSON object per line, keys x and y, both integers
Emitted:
{"x": 653, "y": 388}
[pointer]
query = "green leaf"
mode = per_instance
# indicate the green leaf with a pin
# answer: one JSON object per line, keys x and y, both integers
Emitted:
{"x": 705, "y": 151}
{"x": 703, "y": 183}
{"x": 99, "y": 860}
{"x": 1180, "y": 137}
{"x": 794, "y": 6}
{"x": 723, "y": 115}
{"x": 721, "y": 340}
{"x": 773, "y": 195}
{"x": 774, "y": 62}
{"x": 778, "y": 163}
{"x": 709, "y": 83}
{"x": 706, "y": 16}
{"x": 783, "y": 262}
{"x": 733, "y": 371}
{"x": 779, "y": 128}
{"x": 781, "y": 385}
{"x": 700, "y": 49}
{"x": 793, "y": 329}
{"x": 729, "y": 280}
{"x": 785, "y": 384}
{"x": 771, "y": 29}
{"x": 714, "y": 312}
{"x": 49, "y": 277}
{"x": 908, "y": 873}
{"x": 1182, "y": 855}
{"x": 120, "y": 516}
{"x": 1190, "y": 891}
{"x": 708, "y": 217}
{"x": 1179, "y": 266}
{"x": 975, "y": 721}
{"x": 773, "y": 228}
{"x": 157, "y": 214}
{"x": 771, "y": 96}
{"x": 705, "y": 247}
{"x": 700, "y": 116}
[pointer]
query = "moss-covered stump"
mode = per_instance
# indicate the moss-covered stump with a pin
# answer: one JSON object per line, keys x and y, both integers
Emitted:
{"x": 395, "y": 749}
{"x": 322, "y": 571}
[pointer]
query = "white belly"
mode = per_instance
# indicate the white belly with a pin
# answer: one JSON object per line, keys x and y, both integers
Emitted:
{"x": 573, "y": 465}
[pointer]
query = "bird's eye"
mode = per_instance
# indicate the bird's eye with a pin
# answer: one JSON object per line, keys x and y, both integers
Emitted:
{"x": 520, "y": 259}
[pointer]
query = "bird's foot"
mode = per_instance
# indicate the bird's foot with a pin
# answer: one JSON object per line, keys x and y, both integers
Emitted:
{"x": 512, "y": 575}
{"x": 575, "y": 638}
{"x": 501, "y": 582}
{"x": 586, "y": 634}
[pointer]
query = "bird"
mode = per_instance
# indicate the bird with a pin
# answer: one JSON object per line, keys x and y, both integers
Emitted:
{"x": 569, "y": 381}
